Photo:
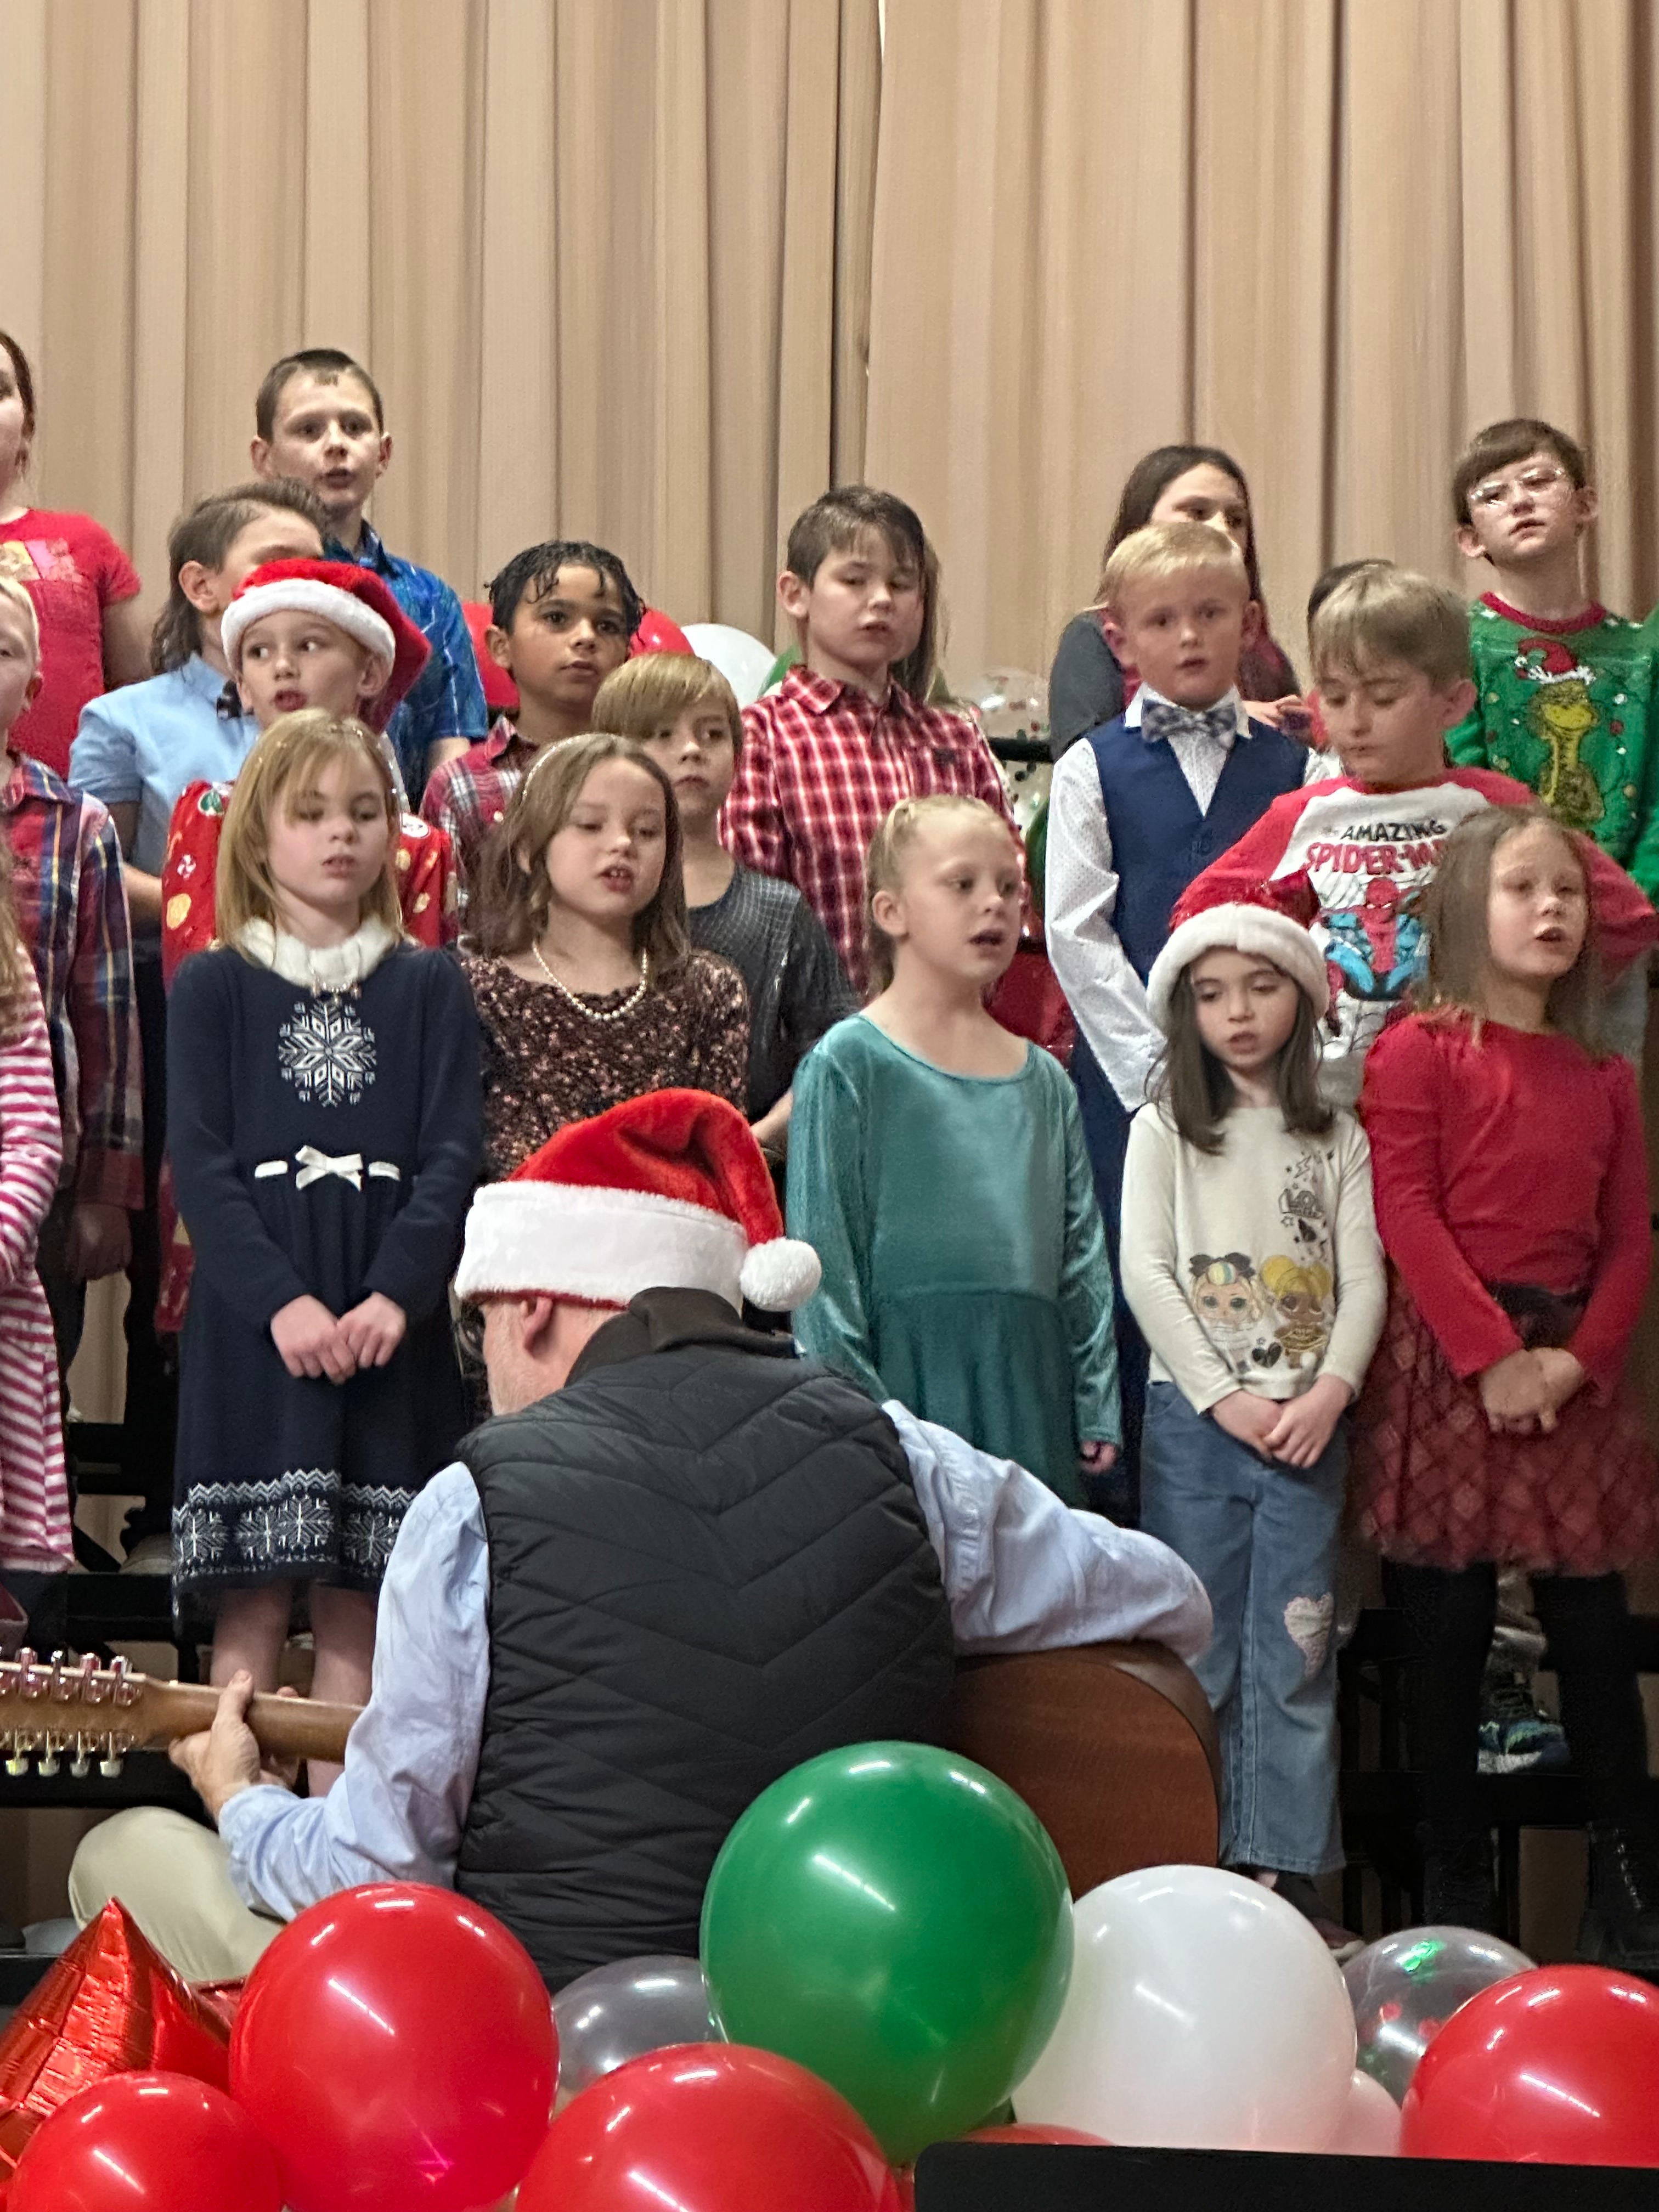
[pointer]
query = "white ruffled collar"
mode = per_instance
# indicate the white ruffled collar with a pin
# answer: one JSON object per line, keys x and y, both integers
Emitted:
{"x": 317, "y": 968}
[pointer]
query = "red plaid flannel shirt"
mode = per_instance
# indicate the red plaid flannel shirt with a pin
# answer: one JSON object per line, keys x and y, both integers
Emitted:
{"x": 468, "y": 795}
{"x": 821, "y": 764}
{"x": 72, "y": 914}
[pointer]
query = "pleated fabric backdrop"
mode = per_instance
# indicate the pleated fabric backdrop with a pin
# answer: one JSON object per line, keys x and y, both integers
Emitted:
{"x": 609, "y": 260}
{"x": 622, "y": 266}
{"x": 1332, "y": 236}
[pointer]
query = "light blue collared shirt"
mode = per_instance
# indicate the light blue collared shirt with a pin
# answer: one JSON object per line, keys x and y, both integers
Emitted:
{"x": 143, "y": 743}
{"x": 1022, "y": 1573}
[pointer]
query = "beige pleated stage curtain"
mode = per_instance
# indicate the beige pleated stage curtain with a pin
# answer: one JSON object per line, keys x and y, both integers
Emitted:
{"x": 608, "y": 259}
{"x": 1330, "y": 235}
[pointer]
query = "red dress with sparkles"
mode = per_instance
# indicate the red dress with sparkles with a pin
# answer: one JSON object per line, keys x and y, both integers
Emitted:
{"x": 426, "y": 892}
{"x": 1512, "y": 1200}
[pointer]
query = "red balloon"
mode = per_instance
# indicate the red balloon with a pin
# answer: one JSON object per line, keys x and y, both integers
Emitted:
{"x": 657, "y": 634}
{"x": 147, "y": 2142}
{"x": 1560, "y": 2065}
{"x": 709, "y": 2127}
{"x": 111, "y": 2005}
{"x": 501, "y": 692}
{"x": 396, "y": 2048}
{"x": 1035, "y": 2132}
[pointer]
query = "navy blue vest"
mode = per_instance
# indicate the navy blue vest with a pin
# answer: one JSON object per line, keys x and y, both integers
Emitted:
{"x": 1160, "y": 841}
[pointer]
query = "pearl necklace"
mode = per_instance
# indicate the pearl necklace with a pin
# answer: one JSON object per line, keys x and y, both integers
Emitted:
{"x": 588, "y": 1013}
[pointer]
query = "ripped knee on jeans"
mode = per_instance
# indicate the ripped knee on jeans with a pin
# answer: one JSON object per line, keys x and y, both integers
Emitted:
{"x": 1309, "y": 1622}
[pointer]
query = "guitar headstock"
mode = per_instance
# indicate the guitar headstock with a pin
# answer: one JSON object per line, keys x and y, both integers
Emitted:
{"x": 57, "y": 1705}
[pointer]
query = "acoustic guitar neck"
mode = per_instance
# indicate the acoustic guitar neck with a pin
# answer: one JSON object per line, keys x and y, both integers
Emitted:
{"x": 58, "y": 1709}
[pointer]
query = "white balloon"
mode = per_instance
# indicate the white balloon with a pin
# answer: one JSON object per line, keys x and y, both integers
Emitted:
{"x": 1369, "y": 2126}
{"x": 1204, "y": 2012}
{"x": 743, "y": 660}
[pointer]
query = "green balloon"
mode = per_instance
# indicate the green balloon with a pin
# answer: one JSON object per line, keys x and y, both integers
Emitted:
{"x": 896, "y": 1919}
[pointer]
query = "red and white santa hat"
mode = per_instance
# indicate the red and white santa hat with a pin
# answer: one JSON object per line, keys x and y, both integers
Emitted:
{"x": 1269, "y": 920}
{"x": 668, "y": 1191}
{"x": 355, "y": 600}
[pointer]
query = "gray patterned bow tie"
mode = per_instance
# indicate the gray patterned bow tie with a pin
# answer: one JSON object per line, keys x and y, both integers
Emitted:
{"x": 1161, "y": 718}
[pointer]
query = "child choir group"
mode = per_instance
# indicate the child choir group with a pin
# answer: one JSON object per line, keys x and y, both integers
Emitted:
{"x": 1337, "y": 1222}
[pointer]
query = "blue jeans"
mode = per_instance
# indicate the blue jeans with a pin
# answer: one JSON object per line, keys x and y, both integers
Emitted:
{"x": 1262, "y": 1540}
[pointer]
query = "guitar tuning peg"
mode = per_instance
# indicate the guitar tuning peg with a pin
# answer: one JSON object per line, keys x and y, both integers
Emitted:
{"x": 109, "y": 1767}
{"x": 46, "y": 1764}
{"x": 80, "y": 1765}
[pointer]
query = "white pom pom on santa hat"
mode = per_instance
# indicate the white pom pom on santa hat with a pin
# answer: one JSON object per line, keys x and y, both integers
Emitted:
{"x": 668, "y": 1191}
{"x": 780, "y": 1275}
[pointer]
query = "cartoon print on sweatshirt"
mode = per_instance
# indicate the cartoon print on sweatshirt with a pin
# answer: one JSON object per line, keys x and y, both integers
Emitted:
{"x": 1233, "y": 1309}
{"x": 1561, "y": 714}
{"x": 1301, "y": 1292}
{"x": 1374, "y": 950}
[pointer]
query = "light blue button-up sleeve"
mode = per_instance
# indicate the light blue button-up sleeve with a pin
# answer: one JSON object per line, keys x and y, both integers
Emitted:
{"x": 396, "y": 1813}
{"x": 1023, "y": 1572}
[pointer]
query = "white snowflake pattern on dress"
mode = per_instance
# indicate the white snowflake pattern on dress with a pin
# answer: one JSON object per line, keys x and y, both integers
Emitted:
{"x": 200, "y": 1537}
{"x": 327, "y": 1052}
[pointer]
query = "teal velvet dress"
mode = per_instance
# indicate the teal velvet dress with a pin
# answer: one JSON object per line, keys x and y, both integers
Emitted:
{"x": 964, "y": 1265}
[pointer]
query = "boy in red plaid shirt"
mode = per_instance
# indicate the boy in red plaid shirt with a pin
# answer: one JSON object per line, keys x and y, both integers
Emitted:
{"x": 849, "y": 734}
{"x": 72, "y": 914}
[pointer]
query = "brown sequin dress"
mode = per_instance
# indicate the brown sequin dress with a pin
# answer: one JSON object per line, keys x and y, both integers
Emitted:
{"x": 545, "y": 1063}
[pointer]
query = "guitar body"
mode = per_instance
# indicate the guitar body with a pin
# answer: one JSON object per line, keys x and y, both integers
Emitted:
{"x": 1112, "y": 1747}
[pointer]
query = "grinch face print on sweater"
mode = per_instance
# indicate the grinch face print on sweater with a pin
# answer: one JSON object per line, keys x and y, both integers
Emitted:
{"x": 1561, "y": 715}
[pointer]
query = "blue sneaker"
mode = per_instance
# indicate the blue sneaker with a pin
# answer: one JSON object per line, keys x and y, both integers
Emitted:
{"x": 1517, "y": 1736}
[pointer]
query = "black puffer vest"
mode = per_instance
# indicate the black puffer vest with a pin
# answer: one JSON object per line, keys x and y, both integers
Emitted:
{"x": 707, "y": 1565}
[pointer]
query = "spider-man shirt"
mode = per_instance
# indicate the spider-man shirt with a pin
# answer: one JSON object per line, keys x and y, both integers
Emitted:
{"x": 1365, "y": 854}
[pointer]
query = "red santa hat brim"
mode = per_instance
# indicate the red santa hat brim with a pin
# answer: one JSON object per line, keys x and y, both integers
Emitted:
{"x": 601, "y": 1212}
{"x": 1260, "y": 931}
{"x": 355, "y": 600}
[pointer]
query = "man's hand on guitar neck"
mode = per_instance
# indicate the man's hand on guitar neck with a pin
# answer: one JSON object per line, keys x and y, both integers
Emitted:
{"x": 224, "y": 1760}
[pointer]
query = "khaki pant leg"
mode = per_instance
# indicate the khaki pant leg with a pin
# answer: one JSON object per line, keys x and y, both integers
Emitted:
{"x": 173, "y": 1877}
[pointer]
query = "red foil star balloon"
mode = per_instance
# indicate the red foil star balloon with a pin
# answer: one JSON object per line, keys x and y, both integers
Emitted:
{"x": 111, "y": 2005}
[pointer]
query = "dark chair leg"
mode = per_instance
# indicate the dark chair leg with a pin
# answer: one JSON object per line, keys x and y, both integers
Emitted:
{"x": 1509, "y": 1882}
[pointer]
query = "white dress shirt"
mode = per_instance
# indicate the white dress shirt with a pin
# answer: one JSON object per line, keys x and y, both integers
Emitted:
{"x": 1022, "y": 1573}
{"x": 1107, "y": 998}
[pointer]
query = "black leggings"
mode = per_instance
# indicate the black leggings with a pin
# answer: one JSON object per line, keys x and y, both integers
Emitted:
{"x": 1449, "y": 1625}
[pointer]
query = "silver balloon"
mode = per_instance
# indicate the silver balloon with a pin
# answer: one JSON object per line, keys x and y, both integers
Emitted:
{"x": 622, "y": 2011}
{"x": 1404, "y": 1989}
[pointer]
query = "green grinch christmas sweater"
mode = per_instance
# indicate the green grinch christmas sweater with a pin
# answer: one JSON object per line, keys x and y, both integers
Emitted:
{"x": 1569, "y": 708}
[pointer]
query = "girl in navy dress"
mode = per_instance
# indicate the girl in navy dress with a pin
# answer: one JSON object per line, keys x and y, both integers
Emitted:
{"x": 326, "y": 1125}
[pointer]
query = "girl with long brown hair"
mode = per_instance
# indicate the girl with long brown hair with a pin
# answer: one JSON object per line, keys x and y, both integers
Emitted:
{"x": 1512, "y": 1198}
{"x": 587, "y": 987}
{"x": 1250, "y": 1260}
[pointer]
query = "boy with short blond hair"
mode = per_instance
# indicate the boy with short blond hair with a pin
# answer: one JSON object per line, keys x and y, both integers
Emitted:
{"x": 72, "y": 913}
{"x": 1137, "y": 807}
{"x": 1565, "y": 691}
{"x": 320, "y": 419}
{"x": 1391, "y": 659}
{"x": 686, "y": 715}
